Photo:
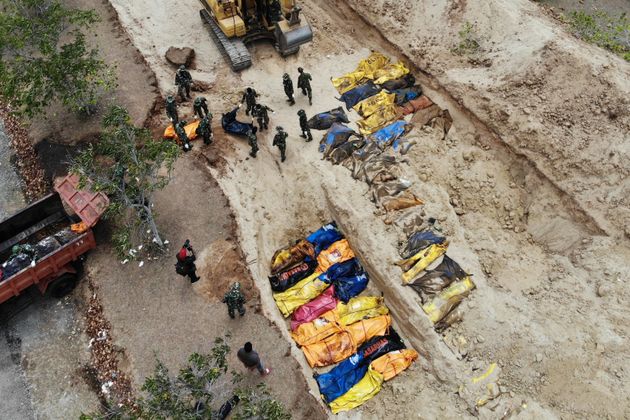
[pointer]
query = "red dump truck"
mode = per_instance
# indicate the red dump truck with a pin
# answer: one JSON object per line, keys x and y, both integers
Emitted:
{"x": 44, "y": 244}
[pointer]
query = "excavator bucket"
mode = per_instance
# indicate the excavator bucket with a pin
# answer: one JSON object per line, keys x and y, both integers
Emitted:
{"x": 290, "y": 38}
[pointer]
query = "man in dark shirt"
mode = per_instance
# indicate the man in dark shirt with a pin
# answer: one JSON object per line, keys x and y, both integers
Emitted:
{"x": 250, "y": 359}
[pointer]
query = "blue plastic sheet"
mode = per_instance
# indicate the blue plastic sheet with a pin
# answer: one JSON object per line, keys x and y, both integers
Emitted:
{"x": 336, "y": 135}
{"x": 232, "y": 126}
{"x": 323, "y": 237}
{"x": 339, "y": 380}
{"x": 348, "y": 287}
{"x": 347, "y": 268}
{"x": 346, "y": 374}
{"x": 324, "y": 120}
{"x": 386, "y": 135}
{"x": 359, "y": 93}
{"x": 407, "y": 94}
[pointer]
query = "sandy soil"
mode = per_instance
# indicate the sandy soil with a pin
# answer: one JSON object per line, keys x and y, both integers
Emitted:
{"x": 157, "y": 313}
{"x": 530, "y": 185}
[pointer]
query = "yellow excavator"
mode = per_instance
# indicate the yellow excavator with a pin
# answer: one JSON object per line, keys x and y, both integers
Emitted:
{"x": 235, "y": 23}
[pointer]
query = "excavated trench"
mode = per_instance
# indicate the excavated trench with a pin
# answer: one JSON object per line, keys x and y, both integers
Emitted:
{"x": 276, "y": 203}
{"x": 471, "y": 122}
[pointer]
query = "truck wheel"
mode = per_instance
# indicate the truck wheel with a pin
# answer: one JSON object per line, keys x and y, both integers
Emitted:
{"x": 61, "y": 286}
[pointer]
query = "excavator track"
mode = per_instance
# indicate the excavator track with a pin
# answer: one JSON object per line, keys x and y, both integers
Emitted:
{"x": 234, "y": 50}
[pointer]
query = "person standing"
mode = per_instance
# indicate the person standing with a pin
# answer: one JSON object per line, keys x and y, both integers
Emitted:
{"x": 249, "y": 97}
{"x": 251, "y": 359}
{"x": 261, "y": 112}
{"x": 280, "y": 140}
{"x": 304, "y": 83}
{"x": 171, "y": 110}
{"x": 186, "y": 262}
{"x": 200, "y": 107}
{"x": 306, "y": 130}
{"x": 234, "y": 299}
{"x": 288, "y": 88}
{"x": 183, "y": 81}
{"x": 253, "y": 143}
{"x": 205, "y": 129}
{"x": 183, "y": 137}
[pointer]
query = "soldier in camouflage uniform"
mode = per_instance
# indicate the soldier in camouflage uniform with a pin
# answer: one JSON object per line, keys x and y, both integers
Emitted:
{"x": 306, "y": 131}
{"x": 183, "y": 137}
{"x": 200, "y": 106}
{"x": 171, "y": 110}
{"x": 261, "y": 112}
{"x": 280, "y": 140}
{"x": 304, "y": 83}
{"x": 249, "y": 97}
{"x": 253, "y": 143}
{"x": 288, "y": 88}
{"x": 235, "y": 299}
{"x": 183, "y": 81}
{"x": 205, "y": 129}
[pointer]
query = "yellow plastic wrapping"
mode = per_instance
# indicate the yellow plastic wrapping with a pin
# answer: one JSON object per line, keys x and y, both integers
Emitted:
{"x": 361, "y": 392}
{"x": 317, "y": 330}
{"x": 359, "y": 308}
{"x": 342, "y": 345}
{"x": 190, "y": 129}
{"x": 339, "y": 251}
{"x": 348, "y": 81}
{"x": 389, "y": 72}
{"x": 447, "y": 299}
{"x": 334, "y": 321}
{"x": 370, "y": 105}
{"x": 286, "y": 257}
{"x": 303, "y": 292}
{"x": 426, "y": 257}
{"x": 394, "y": 362}
{"x": 366, "y": 70}
{"x": 369, "y": 66}
{"x": 379, "y": 119}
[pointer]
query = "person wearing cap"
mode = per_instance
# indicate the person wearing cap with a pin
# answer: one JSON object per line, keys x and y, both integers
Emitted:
{"x": 261, "y": 112}
{"x": 249, "y": 97}
{"x": 183, "y": 137}
{"x": 306, "y": 130}
{"x": 200, "y": 107}
{"x": 171, "y": 110}
{"x": 234, "y": 299}
{"x": 304, "y": 83}
{"x": 280, "y": 140}
{"x": 183, "y": 81}
{"x": 288, "y": 88}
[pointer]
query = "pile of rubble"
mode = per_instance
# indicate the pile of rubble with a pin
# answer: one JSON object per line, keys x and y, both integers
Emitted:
{"x": 27, "y": 162}
{"x": 115, "y": 386}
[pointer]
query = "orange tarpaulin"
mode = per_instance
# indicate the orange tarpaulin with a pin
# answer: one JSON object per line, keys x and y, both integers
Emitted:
{"x": 416, "y": 104}
{"x": 338, "y": 252}
{"x": 333, "y": 321}
{"x": 340, "y": 346}
{"x": 316, "y": 330}
{"x": 394, "y": 362}
{"x": 190, "y": 129}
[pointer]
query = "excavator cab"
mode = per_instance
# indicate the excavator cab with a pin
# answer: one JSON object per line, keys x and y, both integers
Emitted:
{"x": 235, "y": 23}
